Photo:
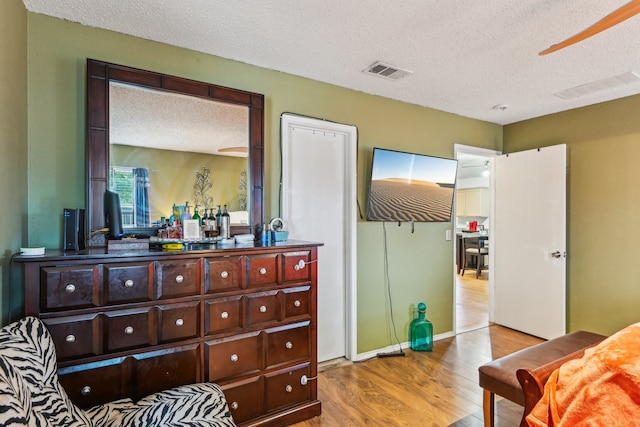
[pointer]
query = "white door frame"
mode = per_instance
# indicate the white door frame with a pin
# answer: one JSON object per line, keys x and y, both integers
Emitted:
{"x": 485, "y": 152}
{"x": 350, "y": 239}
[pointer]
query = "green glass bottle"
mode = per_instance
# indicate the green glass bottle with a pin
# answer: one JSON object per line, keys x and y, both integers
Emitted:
{"x": 421, "y": 331}
{"x": 196, "y": 215}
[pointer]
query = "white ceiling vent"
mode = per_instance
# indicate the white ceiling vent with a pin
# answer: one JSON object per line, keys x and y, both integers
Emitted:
{"x": 386, "y": 71}
{"x": 599, "y": 85}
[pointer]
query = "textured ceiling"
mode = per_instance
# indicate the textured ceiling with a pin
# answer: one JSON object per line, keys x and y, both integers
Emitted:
{"x": 170, "y": 121}
{"x": 466, "y": 55}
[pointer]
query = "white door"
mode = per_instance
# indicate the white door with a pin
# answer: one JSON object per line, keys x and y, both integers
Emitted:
{"x": 529, "y": 238}
{"x": 319, "y": 204}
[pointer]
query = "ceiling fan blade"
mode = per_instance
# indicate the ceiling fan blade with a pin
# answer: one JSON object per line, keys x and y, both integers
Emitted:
{"x": 625, "y": 12}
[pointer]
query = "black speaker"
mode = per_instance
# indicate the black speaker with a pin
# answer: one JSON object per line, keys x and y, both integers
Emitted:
{"x": 73, "y": 234}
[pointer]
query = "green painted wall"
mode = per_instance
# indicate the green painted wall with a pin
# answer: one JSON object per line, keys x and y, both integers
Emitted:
{"x": 13, "y": 146}
{"x": 420, "y": 264}
{"x": 603, "y": 152}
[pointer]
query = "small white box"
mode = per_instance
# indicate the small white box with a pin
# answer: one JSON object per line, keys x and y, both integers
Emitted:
{"x": 191, "y": 229}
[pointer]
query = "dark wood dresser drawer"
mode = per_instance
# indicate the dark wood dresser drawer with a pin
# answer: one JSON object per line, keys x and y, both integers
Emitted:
{"x": 285, "y": 388}
{"x": 178, "y": 278}
{"x": 127, "y": 329}
{"x": 297, "y": 302}
{"x": 263, "y": 270}
{"x": 92, "y": 384}
{"x": 245, "y": 398}
{"x": 286, "y": 344}
{"x": 130, "y": 282}
{"x": 134, "y": 376}
{"x": 178, "y": 321}
{"x": 76, "y": 336}
{"x": 224, "y": 274}
{"x": 64, "y": 288}
{"x": 223, "y": 315}
{"x": 262, "y": 307}
{"x": 165, "y": 369}
{"x": 233, "y": 356}
{"x": 296, "y": 266}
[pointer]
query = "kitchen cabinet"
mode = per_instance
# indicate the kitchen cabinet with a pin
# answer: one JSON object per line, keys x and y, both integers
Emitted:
{"x": 472, "y": 202}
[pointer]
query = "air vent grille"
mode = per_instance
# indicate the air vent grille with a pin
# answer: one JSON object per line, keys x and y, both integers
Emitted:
{"x": 599, "y": 85}
{"x": 387, "y": 71}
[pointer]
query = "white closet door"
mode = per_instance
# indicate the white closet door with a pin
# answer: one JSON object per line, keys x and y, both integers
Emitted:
{"x": 529, "y": 234}
{"x": 318, "y": 201}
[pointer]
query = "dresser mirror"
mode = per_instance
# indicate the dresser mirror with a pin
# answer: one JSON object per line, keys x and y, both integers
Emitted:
{"x": 160, "y": 140}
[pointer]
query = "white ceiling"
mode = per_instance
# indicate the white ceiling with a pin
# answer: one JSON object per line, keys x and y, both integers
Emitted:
{"x": 466, "y": 55}
{"x": 471, "y": 166}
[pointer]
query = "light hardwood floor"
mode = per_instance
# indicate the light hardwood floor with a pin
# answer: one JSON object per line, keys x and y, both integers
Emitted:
{"x": 472, "y": 301}
{"x": 438, "y": 388}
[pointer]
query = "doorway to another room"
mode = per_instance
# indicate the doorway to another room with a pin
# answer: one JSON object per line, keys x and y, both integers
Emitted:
{"x": 472, "y": 218}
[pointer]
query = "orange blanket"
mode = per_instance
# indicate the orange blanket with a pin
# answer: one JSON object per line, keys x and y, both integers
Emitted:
{"x": 600, "y": 389}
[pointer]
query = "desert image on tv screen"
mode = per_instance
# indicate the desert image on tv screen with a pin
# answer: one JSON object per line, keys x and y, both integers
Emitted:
{"x": 410, "y": 187}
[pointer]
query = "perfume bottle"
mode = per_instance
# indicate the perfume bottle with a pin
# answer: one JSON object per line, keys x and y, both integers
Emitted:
{"x": 421, "y": 331}
{"x": 187, "y": 212}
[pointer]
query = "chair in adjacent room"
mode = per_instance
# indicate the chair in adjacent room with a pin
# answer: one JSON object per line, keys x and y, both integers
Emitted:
{"x": 474, "y": 253}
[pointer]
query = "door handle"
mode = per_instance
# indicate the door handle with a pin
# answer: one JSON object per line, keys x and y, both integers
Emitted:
{"x": 556, "y": 254}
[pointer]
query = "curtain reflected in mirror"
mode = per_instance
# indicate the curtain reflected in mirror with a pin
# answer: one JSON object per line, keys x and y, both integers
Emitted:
{"x": 141, "y": 196}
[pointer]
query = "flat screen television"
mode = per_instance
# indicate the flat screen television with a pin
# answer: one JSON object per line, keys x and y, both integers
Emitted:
{"x": 113, "y": 215}
{"x": 408, "y": 187}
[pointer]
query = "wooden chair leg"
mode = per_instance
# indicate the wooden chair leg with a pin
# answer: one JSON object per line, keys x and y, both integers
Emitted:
{"x": 464, "y": 263}
{"x": 488, "y": 404}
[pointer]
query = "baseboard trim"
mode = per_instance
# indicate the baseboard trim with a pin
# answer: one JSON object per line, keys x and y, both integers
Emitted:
{"x": 394, "y": 348}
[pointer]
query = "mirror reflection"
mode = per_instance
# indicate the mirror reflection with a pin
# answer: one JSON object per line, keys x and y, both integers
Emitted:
{"x": 170, "y": 149}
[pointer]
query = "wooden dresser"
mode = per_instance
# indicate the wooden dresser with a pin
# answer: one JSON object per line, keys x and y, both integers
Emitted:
{"x": 130, "y": 324}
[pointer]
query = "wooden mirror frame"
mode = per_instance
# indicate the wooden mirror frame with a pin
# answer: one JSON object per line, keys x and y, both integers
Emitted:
{"x": 100, "y": 73}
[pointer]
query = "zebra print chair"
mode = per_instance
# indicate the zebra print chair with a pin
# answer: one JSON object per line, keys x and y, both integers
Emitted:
{"x": 30, "y": 394}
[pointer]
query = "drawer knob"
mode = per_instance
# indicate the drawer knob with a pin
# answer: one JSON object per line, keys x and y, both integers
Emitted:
{"x": 300, "y": 265}
{"x": 70, "y": 288}
{"x": 234, "y": 357}
{"x": 224, "y": 315}
{"x": 289, "y": 344}
{"x": 70, "y": 338}
{"x": 234, "y": 405}
{"x": 288, "y": 388}
{"x": 297, "y": 303}
{"x": 128, "y": 283}
{"x": 85, "y": 390}
{"x": 179, "y": 322}
{"x": 179, "y": 278}
{"x": 128, "y": 330}
{"x": 263, "y": 309}
{"x": 224, "y": 274}
{"x": 262, "y": 271}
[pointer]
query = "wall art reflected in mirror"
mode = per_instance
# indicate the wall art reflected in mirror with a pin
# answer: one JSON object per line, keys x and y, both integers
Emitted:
{"x": 160, "y": 140}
